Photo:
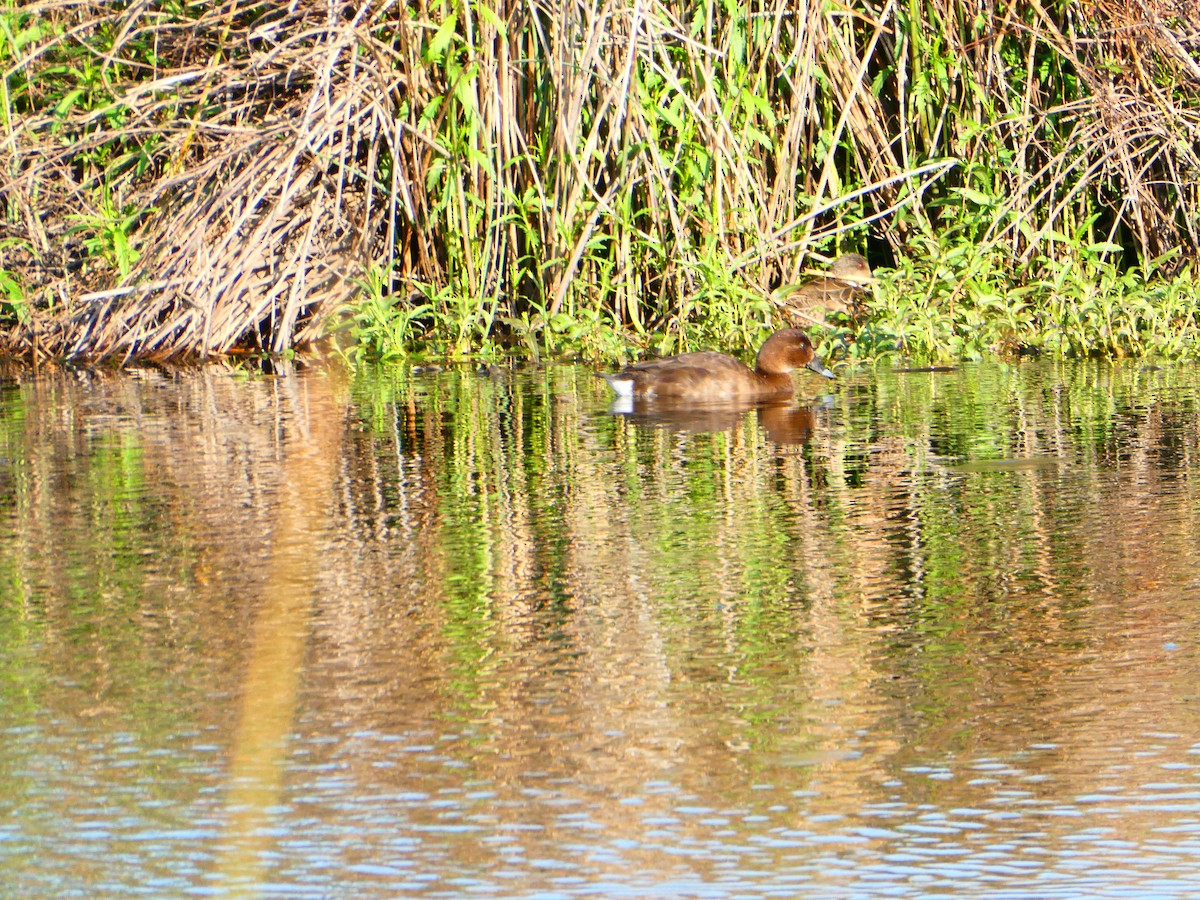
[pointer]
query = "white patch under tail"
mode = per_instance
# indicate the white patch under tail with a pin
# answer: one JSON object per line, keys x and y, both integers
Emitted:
{"x": 622, "y": 386}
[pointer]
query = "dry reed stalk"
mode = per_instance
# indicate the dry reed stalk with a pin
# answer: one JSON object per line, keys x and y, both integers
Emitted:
{"x": 1124, "y": 147}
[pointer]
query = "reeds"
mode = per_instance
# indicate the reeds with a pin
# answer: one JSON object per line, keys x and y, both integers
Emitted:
{"x": 183, "y": 181}
{"x": 223, "y": 171}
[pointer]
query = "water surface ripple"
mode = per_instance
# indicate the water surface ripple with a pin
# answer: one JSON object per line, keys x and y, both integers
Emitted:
{"x": 457, "y": 633}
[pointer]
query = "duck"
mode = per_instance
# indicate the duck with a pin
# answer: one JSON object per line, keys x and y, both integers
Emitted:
{"x": 715, "y": 377}
{"x": 837, "y": 290}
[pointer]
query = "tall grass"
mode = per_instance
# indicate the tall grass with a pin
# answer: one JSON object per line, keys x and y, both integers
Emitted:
{"x": 600, "y": 175}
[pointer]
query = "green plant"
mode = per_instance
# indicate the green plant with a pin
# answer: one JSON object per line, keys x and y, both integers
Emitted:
{"x": 106, "y": 233}
{"x": 14, "y": 306}
{"x": 382, "y": 325}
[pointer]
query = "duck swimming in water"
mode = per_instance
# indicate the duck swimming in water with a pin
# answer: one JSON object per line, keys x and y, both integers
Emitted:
{"x": 711, "y": 376}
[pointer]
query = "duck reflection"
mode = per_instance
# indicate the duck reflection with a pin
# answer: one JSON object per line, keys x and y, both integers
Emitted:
{"x": 783, "y": 423}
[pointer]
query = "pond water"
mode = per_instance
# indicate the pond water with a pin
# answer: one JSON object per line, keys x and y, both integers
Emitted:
{"x": 457, "y": 633}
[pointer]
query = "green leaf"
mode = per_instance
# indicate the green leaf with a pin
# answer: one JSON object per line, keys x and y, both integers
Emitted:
{"x": 973, "y": 196}
{"x": 64, "y": 106}
{"x": 489, "y": 14}
{"x": 11, "y": 288}
{"x": 759, "y": 137}
{"x": 28, "y": 35}
{"x": 442, "y": 39}
{"x": 671, "y": 114}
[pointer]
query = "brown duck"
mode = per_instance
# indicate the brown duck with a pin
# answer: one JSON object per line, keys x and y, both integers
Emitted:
{"x": 710, "y": 376}
{"x": 838, "y": 290}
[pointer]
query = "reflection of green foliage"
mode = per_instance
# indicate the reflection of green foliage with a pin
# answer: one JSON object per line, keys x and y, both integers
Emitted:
{"x": 86, "y": 621}
{"x": 22, "y": 629}
{"x": 718, "y": 548}
{"x": 21, "y": 633}
{"x": 768, "y": 579}
{"x": 78, "y": 531}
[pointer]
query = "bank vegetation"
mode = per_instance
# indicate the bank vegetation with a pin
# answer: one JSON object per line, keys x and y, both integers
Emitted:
{"x": 599, "y": 176}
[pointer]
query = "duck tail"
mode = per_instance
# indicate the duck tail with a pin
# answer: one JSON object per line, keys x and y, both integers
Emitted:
{"x": 621, "y": 384}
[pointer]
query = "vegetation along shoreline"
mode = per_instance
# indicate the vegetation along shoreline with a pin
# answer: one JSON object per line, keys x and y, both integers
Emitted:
{"x": 597, "y": 177}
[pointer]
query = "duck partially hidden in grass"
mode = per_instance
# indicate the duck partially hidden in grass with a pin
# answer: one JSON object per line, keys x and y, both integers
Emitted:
{"x": 837, "y": 290}
{"x": 707, "y": 376}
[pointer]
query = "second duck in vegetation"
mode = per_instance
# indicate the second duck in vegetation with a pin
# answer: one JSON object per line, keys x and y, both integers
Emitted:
{"x": 710, "y": 376}
{"x": 838, "y": 290}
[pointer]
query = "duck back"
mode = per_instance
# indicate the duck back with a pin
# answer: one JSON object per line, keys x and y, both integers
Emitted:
{"x": 709, "y": 376}
{"x": 704, "y": 375}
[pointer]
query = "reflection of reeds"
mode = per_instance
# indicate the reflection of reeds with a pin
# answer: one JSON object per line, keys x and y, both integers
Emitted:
{"x": 628, "y": 569}
{"x": 143, "y": 513}
{"x": 532, "y": 585}
{"x": 270, "y": 689}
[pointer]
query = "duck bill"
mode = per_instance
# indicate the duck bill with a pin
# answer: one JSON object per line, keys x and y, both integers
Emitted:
{"x": 819, "y": 367}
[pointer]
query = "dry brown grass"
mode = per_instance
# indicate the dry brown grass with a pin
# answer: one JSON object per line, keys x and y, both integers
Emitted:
{"x": 267, "y": 130}
{"x": 626, "y": 160}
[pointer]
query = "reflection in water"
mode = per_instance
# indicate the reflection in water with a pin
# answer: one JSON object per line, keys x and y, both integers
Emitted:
{"x": 312, "y": 425}
{"x": 784, "y": 423}
{"x": 462, "y": 635}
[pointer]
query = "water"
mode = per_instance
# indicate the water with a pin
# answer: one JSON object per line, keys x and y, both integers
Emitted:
{"x": 449, "y": 634}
